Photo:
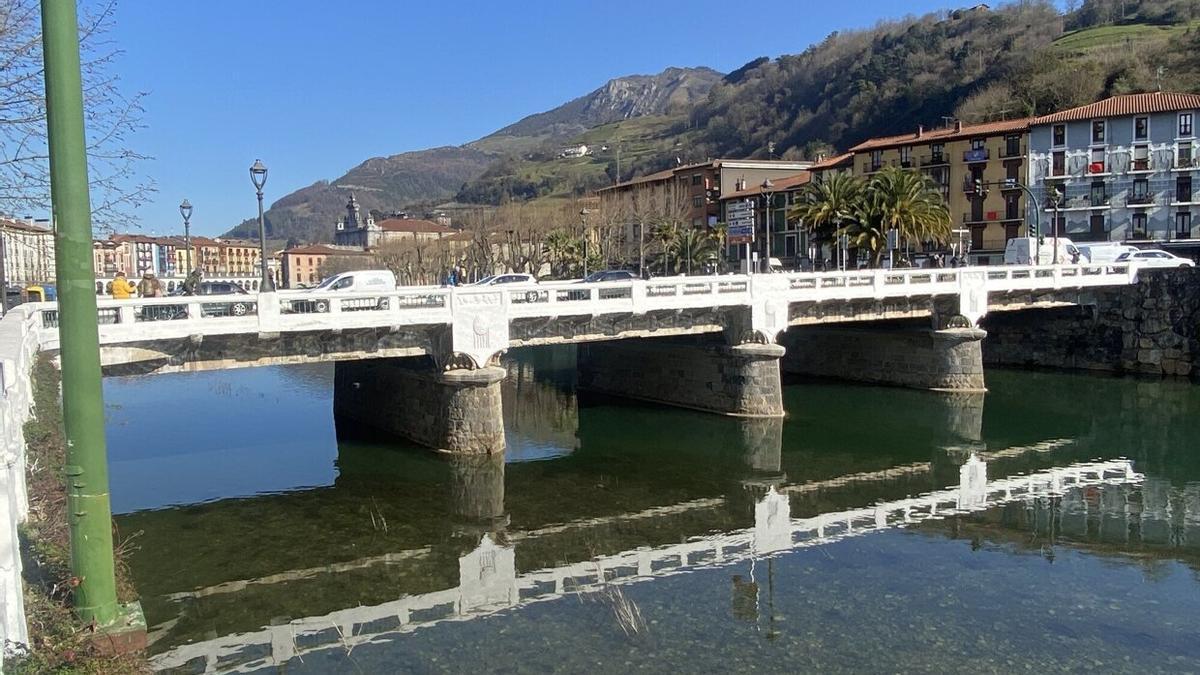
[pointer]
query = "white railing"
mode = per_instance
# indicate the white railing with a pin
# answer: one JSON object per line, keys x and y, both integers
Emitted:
{"x": 489, "y": 581}
{"x": 142, "y": 319}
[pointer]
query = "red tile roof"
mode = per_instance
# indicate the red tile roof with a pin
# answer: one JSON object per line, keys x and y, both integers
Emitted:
{"x": 23, "y": 225}
{"x": 831, "y": 162}
{"x": 778, "y": 185}
{"x": 322, "y": 249}
{"x": 1126, "y": 104}
{"x": 945, "y": 134}
{"x": 414, "y": 225}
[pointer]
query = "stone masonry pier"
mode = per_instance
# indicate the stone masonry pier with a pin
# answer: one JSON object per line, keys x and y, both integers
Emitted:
{"x": 741, "y": 381}
{"x": 943, "y": 360}
{"x": 455, "y": 411}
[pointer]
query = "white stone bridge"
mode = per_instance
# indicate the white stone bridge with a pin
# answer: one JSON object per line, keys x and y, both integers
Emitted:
{"x": 489, "y": 582}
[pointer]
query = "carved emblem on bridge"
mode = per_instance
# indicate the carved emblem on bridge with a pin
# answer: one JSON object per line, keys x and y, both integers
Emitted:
{"x": 480, "y": 326}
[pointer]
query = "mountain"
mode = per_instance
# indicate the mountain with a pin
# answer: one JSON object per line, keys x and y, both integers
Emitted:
{"x": 382, "y": 184}
{"x": 675, "y": 90}
{"x": 976, "y": 64}
{"x": 386, "y": 184}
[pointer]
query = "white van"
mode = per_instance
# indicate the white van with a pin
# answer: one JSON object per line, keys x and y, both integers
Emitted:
{"x": 1024, "y": 251}
{"x": 1105, "y": 252}
{"x": 359, "y": 281}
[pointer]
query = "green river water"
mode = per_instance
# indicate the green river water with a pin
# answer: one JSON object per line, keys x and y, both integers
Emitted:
{"x": 618, "y": 536}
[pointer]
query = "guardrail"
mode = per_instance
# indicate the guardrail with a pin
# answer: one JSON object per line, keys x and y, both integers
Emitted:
{"x": 151, "y": 318}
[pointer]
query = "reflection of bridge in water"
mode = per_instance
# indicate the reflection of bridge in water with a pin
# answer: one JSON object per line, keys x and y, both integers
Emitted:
{"x": 488, "y": 581}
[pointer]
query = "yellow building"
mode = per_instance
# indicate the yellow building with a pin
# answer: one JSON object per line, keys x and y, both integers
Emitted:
{"x": 955, "y": 157}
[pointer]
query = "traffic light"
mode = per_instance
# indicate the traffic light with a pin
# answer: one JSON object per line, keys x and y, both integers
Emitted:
{"x": 980, "y": 190}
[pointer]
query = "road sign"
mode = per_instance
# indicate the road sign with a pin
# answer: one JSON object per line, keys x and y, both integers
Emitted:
{"x": 740, "y": 216}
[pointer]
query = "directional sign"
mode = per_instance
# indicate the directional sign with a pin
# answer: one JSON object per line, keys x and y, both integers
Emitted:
{"x": 740, "y": 216}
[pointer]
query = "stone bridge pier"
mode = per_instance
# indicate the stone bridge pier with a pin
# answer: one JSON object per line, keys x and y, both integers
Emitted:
{"x": 456, "y": 411}
{"x": 949, "y": 359}
{"x": 741, "y": 380}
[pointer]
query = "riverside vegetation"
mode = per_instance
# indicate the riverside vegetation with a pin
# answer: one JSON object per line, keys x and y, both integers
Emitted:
{"x": 59, "y": 641}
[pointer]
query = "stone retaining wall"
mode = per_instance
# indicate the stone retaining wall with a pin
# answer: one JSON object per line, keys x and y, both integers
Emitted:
{"x": 457, "y": 411}
{"x": 921, "y": 359}
{"x": 741, "y": 381}
{"x": 1148, "y": 328}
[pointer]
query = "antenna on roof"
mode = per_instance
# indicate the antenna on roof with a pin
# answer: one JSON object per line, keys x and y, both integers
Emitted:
{"x": 947, "y": 120}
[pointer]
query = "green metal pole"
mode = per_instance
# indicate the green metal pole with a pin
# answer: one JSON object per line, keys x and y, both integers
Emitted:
{"x": 83, "y": 407}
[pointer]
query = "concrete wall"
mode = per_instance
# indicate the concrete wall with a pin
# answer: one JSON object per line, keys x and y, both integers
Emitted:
{"x": 18, "y": 349}
{"x": 457, "y": 411}
{"x": 741, "y": 381}
{"x": 1151, "y": 328}
{"x": 921, "y": 359}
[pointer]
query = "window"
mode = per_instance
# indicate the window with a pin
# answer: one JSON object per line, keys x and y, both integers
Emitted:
{"x": 1138, "y": 226}
{"x": 1184, "y": 156}
{"x": 978, "y": 143}
{"x": 1141, "y": 158}
{"x": 876, "y": 159}
{"x": 1098, "y": 131}
{"x": 1098, "y": 196}
{"x": 1183, "y": 225}
{"x": 1012, "y": 145}
{"x": 1059, "y": 135}
{"x": 697, "y": 202}
{"x": 1059, "y": 167}
{"x": 905, "y": 156}
{"x": 937, "y": 150}
{"x": 696, "y": 179}
{"x": 1183, "y": 189}
{"x": 1185, "y": 124}
{"x": 1012, "y": 206}
{"x": 1141, "y": 192}
{"x": 1012, "y": 171}
{"x": 1141, "y": 128}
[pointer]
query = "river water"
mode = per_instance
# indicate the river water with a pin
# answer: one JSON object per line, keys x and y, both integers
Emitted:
{"x": 872, "y": 530}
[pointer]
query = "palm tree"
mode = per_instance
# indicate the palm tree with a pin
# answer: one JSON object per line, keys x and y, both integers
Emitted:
{"x": 666, "y": 233}
{"x": 827, "y": 206}
{"x": 906, "y": 201}
{"x": 560, "y": 247}
{"x": 695, "y": 247}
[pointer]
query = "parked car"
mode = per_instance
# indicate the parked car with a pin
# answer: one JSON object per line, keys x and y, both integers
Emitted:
{"x": 497, "y": 279}
{"x": 231, "y": 307}
{"x": 1024, "y": 250}
{"x": 1154, "y": 258}
{"x": 608, "y": 275}
{"x": 1105, "y": 252}
{"x": 357, "y": 281}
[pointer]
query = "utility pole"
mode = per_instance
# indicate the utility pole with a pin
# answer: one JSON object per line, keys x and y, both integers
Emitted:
{"x": 88, "y": 506}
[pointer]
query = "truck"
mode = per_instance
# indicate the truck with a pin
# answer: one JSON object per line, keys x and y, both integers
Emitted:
{"x": 1028, "y": 251}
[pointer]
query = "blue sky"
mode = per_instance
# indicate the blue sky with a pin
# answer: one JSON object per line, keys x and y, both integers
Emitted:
{"x": 314, "y": 87}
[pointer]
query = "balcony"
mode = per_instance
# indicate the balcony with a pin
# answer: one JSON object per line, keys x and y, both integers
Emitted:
{"x": 977, "y": 155}
{"x": 934, "y": 160}
{"x": 1095, "y": 168}
{"x": 1009, "y": 151}
{"x": 1140, "y": 165}
{"x": 1186, "y": 163}
{"x": 980, "y": 218}
{"x": 1139, "y": 200}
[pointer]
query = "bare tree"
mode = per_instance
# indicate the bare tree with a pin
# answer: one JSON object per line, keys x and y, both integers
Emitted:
{"x": 111, "y": 118}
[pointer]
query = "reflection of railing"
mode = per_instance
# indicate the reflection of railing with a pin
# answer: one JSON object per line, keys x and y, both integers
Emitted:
{"x": 485, "y": 589}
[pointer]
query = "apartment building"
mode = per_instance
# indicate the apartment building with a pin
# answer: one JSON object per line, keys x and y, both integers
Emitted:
{"x": 1121, "y": 169}
{"x": 28, "y": 247}
{"x": 958, "y": 158}
{"x": 301, "y": 267}
{"x": 789, "y": 241}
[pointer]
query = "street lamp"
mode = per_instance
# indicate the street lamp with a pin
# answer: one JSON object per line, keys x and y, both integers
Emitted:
{"x": 185, "y": 210}
{"x": 768, "y": 191}
{"x": 583, "y": 214}
{"x": 258, "y": 176}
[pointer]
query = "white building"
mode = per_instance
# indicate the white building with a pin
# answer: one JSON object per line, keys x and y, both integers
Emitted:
{"x": 28, "y": 248}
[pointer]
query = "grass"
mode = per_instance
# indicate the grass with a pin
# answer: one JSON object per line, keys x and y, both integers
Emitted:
{"x": 1081, "y": 41}
{"x": 59, "y": 642}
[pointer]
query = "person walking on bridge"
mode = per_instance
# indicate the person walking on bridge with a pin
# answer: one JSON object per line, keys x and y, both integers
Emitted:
{"x": 122, "y": 288}
{"x": 150, "y": 286}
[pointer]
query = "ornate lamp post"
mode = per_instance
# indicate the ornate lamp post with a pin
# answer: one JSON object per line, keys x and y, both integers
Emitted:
{"x": 258, "y": 176}
{"x": 583, "y": 214}
{"x": 185, "y": 210}
{"x": 768, "y": 189}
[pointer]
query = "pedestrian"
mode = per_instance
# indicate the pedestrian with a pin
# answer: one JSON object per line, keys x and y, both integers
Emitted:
{"x": 191, "y": 285}
{"x": 122, "y": 289}
{"x": 150, "y": 286}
